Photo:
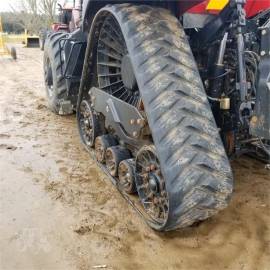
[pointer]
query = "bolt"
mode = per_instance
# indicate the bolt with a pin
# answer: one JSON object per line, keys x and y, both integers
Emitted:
{"x": 148, "y": 169}
{"x": 141, "y": 122}
{"x": 132, "y": 121}
{"x": 262, "y": 53}
{"x": 152, "y": 167}
{"x": 163, "y": 193}
{"x": 107, "y": 109}
{"x": 155, "y": 200}
{"x": 253, "y": 121}
{"x": 263, "y": 32}
{"x": 135, "y": 134}
{"x": 145, "y": 176}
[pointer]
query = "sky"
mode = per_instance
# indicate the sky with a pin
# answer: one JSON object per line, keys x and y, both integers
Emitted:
{"x": 5, "y": 4}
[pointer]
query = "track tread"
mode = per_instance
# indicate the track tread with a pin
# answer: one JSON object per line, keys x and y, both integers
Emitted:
{"x": 192, "y": 157}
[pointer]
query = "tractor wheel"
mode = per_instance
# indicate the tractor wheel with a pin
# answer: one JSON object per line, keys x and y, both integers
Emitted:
{"x": 13, "y": 53}
{"x": 42, "y": 38}
{"x": 41, "y": 43}
{"x": 55, "y": 82}
{"x": 142, "y": 53}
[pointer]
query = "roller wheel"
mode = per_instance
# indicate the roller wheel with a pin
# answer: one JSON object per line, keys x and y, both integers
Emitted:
{"x": 89, "y": 125}
{"x": 114, "y": 155}
{"x": 126, "y": 176}
{"x": 142, "y": 53}
{"x": 101, "y": 144}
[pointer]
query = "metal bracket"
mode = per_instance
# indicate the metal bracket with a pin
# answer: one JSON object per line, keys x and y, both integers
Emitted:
{"x": 260, "y": 123}
{"x": 120, "y": 116}
{"x": 74, "y": 44}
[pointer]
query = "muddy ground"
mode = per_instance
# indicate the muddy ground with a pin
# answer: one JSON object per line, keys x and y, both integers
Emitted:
{"x": 59, "y": 211}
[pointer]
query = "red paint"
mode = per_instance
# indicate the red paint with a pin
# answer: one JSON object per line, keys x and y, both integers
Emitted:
{"x": 252, "y": 7}
{"x": 59, "y": 27}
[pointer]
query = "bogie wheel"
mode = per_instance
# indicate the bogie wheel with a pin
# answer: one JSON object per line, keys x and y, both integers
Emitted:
{"x": 55, "y": 82}
{"x": 114, "y": 155}
{"x": 126, "y": 176}
{"x": 142, "y": 54}
{"x": 101, "y": 144}
{"x": 88, "y": 124}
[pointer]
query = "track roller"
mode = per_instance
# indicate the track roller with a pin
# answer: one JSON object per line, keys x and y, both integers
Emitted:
{"x": 126, "y": 175}
{"x": 114, "y": 155}
{"x": 101, "y": 144}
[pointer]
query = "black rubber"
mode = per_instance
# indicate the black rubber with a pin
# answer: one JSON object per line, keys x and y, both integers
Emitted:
{"x": 13, "y": 53}
{"x": 52, "y": 54}
{"x": 42, "y": 38}
{"x": 41, "y": 43}
{"x": 192, "y": 157}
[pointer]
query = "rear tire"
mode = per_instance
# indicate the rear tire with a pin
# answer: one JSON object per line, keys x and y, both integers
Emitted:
{"x": 41, "y": 43}
{"x": 55, "y": 83}
{"x": 13, "y": 53}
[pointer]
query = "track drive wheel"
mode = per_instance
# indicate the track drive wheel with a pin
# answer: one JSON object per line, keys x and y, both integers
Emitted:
{"x": 101, "y": 144}
{"x": 151, "y": 185}
{"x": 142, "y": 55}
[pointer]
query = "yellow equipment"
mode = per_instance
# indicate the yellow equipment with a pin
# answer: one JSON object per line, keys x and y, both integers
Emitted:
{"x": 4, "y": 50}
{"x": 31, "y": 41}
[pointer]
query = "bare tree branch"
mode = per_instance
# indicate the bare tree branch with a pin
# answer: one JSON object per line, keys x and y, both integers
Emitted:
{"x": 35, "y": 15}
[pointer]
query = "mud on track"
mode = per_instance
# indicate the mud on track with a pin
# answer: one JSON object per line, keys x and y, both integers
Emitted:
{"x": 59, "y": 211}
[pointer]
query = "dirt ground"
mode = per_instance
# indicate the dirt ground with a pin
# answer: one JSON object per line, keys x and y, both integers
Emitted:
{"x": 58, "y": 211}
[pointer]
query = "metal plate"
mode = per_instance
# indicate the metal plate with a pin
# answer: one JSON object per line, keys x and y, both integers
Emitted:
{"x": 260, "y": 123}
{"x": 117, "y": 112}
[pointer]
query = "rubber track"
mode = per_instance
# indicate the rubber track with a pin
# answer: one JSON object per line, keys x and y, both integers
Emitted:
{"x": 192, "y": 157}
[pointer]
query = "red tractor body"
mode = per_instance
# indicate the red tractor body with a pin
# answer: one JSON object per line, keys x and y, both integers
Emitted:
{"x": 252, "y": 7}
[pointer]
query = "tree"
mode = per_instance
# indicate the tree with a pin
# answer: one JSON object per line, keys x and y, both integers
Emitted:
{"x": 11, "y": 23}
{"x": 35, "y": 15}
{"x": 48, "y": 9}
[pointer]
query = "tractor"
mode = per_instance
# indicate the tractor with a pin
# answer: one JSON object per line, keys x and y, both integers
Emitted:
{"x": 166, "y": 93}
{"x": 68, "y": 19}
